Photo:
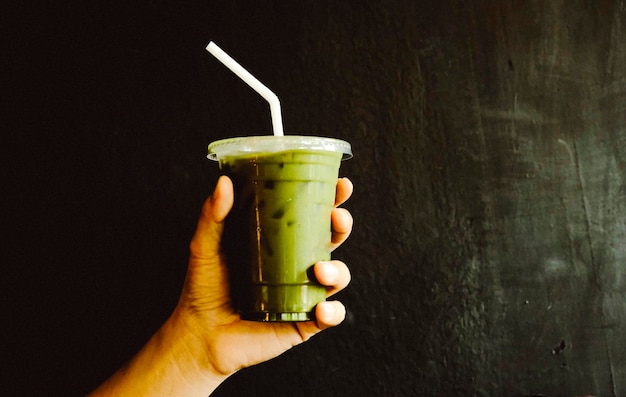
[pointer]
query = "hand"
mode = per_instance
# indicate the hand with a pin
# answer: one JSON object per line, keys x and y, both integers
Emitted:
{"x": 204, "y": 341}
{"x": 204, "y": 308}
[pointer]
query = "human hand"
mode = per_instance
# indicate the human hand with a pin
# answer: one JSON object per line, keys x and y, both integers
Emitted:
{"x": 204, "y": 341}
{"x": 221, "y": 342}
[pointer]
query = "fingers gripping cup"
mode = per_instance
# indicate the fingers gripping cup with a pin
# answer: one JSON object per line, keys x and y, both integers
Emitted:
{"x": 279, "y": 226}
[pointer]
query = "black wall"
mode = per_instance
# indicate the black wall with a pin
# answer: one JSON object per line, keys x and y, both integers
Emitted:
{"x": 489, "y": 168}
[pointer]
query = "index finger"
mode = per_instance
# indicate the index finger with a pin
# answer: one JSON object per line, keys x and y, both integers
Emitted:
{"x": 344, "y": 191}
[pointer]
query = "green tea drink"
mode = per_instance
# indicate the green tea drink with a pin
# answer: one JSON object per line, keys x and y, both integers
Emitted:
{"x": 280, "y": 224}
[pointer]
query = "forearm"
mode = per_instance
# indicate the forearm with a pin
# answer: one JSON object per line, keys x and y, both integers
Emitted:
{"x": 168, "y": 365}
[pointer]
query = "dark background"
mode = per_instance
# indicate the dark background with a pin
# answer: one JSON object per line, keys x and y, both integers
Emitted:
{"x": 490, "y": 178}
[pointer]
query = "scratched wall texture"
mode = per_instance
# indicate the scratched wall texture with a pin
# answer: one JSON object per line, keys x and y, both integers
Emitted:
{"x": 490, "y": 141}
{"x": 489, "y": 246}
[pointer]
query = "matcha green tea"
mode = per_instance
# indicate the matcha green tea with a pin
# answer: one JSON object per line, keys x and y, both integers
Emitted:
{"x": 280, "y": 223}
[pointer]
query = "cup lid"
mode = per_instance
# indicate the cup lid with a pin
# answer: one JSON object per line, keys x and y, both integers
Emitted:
{"x": 272, "y": 144}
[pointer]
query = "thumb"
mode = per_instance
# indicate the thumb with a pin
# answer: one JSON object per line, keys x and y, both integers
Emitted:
{"x": 206, "y": 240}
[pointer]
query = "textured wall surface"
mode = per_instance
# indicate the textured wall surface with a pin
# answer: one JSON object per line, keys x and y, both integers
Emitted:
{"x": 489, "y": 171}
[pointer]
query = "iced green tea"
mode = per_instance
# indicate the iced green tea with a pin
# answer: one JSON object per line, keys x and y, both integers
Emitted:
{"x": 279, "y": 226}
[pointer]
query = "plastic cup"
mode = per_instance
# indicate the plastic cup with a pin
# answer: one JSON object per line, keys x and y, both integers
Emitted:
{"x": 279, "y": 226}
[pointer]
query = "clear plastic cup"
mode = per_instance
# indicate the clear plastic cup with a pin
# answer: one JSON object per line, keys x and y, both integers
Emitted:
{"x": 279, "y": 226}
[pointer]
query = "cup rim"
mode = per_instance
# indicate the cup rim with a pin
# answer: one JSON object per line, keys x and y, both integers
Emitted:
{"x": 273, "y": 144}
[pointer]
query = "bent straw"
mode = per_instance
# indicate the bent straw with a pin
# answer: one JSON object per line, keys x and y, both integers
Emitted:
{"x": 252, "y": 81}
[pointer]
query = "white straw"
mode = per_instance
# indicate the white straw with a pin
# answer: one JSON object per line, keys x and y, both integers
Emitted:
{"x": 243, "y": 74}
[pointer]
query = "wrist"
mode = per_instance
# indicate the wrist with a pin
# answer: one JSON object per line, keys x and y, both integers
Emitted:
{"x": 172, "y": 363}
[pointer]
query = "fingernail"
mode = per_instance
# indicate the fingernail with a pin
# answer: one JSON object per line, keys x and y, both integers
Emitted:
{"x": 329, "y": 310}
{"x": 330, "y": 271}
